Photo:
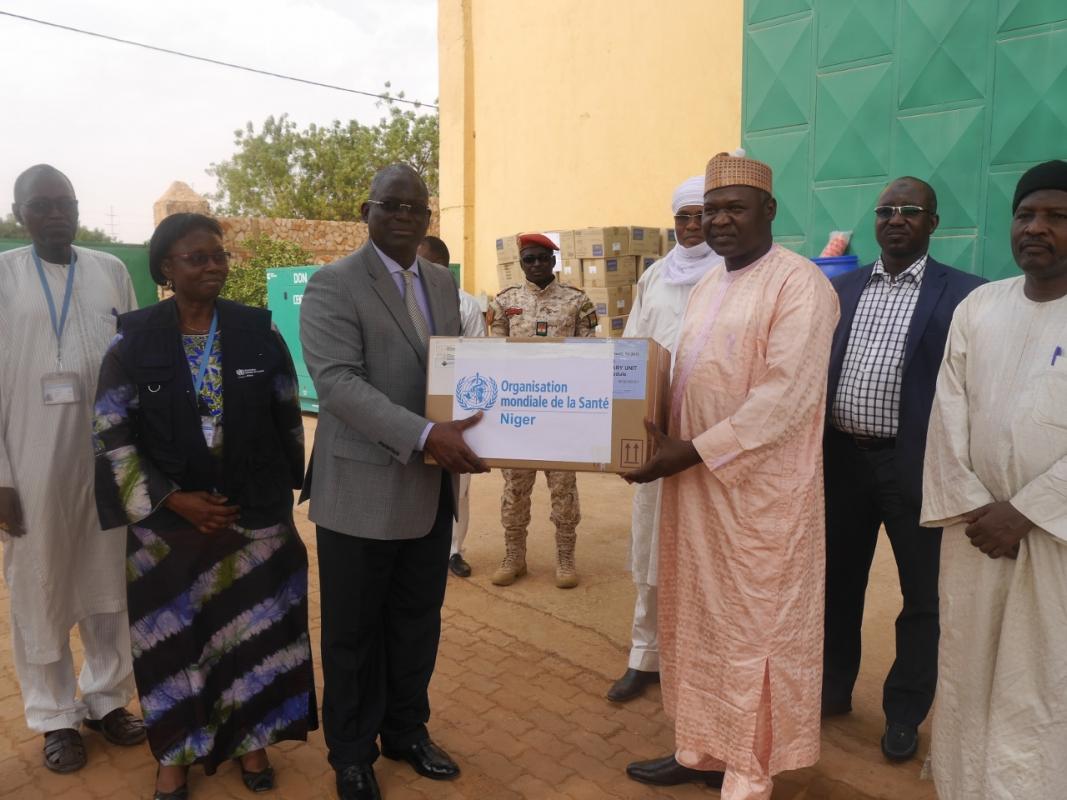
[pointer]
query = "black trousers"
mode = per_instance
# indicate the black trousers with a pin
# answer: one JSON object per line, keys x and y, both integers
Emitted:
{"x": 862, "y": 493}
{"x": 381, "y": 624}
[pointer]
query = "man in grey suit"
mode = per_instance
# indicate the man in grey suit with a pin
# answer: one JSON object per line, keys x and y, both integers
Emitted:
{"x": 383, "y": 515}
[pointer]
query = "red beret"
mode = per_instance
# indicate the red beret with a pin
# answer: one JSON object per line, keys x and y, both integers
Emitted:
{"x": 532, "y": 239}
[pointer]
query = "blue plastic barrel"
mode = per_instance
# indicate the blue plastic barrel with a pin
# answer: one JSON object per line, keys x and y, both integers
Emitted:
{"x": 832, "y": 266}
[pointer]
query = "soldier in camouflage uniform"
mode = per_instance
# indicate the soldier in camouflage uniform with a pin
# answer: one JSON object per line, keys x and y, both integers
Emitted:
{"x": 542, "y": 306}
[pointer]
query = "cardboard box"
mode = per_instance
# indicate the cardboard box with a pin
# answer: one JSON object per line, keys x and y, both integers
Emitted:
{"x": 604, "y": 272}
{"x": 611, "y": 327}
{"x": 644, "y": 241}
{"x": 570, "y": 272}
{"x": 507, "y": 249}
{"x": 510, "y": 274}
{"x": 667, "y": 240}
{"x": 568, "y": 246}
{"x": 615, "y": 301}
{"x": 566, "y": 404}
{"x": 644, "y": 262}
{"x": 602, "y": 242}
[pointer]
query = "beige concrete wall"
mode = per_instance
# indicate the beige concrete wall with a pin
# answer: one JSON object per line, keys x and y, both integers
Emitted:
{"x": 570, "y": 113}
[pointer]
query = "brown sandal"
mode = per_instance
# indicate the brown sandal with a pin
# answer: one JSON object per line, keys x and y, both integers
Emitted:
{"x": 64, "y": 750}
{"x": 119, "y": 727}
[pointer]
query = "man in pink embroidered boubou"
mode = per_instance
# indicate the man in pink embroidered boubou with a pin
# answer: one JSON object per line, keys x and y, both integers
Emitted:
{"x": 742, "y": 548}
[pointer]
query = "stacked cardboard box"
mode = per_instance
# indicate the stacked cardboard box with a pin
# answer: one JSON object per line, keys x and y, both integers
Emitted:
{"x": 508, "y": 272}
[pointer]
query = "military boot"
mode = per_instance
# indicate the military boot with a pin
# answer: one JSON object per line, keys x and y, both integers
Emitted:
{"x": 513, "y": 566}
{"x": 566, "y": 571}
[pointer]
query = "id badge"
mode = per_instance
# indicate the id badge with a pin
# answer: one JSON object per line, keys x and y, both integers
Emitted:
{"x": 210, "y": 429}
{"x": 60, "y": 388}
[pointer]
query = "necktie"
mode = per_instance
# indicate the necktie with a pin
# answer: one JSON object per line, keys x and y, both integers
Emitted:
{"x": 417, "y": 319}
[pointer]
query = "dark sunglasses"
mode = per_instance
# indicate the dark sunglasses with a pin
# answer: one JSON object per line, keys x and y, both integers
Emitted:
{"x": 534, "y": 259}
{"x": 221, "y": 258}
{"x": 45, "y": 205}
{"x": 908, "y": 212}
{"x": 395, "y": 207}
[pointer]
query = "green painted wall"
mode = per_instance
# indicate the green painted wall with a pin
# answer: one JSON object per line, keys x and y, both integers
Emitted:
{"x": 134, "y": 256}
{"x": 841, "y": 95}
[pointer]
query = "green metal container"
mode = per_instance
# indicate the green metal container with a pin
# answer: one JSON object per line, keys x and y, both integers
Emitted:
{"x": 285, "y": 291}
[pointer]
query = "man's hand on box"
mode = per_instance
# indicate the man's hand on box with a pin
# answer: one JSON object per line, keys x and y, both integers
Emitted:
{"x": 447, "y": 447}
{"x": 669, "y": 457}
{"x": 10, "y": 512}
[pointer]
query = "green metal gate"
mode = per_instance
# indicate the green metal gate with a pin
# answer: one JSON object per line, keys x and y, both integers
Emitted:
{"x": 842, "y": 95}
{"x": 285, "y": 291}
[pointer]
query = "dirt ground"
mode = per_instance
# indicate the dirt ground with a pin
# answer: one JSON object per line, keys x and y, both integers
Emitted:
{"x": 518, "y": 692}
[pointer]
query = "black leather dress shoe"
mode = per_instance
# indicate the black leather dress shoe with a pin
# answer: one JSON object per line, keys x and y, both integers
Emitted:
{"x": 900, "y": 742}
{"x": 357, "y": 783}
{"x": 427, "y": 759}
{"x": 632, "y": 684}
{"x": 667, "y": 771}
{"x": 458, "y": 566}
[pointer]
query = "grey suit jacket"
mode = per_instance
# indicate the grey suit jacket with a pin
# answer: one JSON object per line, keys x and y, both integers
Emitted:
{"x": 367, "y": 478}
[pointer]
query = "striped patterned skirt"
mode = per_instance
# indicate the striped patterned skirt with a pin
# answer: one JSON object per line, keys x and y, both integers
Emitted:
{"x": 219, "y": 629}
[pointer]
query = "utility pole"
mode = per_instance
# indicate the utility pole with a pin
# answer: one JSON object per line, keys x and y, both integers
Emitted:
{"x": 111, "y": 221}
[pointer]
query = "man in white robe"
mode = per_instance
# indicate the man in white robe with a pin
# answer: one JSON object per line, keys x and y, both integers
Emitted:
{"x": 996, "y": 479}
{"x": 660, "y": 298}
{"x": 57, "y": 316}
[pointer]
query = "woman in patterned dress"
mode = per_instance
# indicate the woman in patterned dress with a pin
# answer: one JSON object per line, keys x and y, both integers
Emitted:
{"x": 199, "y": 444}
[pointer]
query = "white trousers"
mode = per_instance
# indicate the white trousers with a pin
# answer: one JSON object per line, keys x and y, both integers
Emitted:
{"x": 459, "y": 527}
{"x": 49, "y": 691}
{"x": 644, "y": 648}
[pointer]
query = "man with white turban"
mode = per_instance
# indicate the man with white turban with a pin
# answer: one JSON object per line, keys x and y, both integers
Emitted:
{"x": 659, "y": 302}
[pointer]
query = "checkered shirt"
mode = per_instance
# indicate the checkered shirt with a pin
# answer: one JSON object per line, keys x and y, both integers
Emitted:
{"x": 867, "y": 403}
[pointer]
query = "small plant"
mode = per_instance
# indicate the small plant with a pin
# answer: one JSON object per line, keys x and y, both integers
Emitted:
{"x": 247, "y": 282}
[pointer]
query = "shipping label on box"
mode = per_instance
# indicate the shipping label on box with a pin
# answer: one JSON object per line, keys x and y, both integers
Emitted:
{"x": 643, "y": 263}
{"x": 602, "y": 242}
{"x": 507, "y": 249}
{"x": 510, "y": 274}
{"x": 570, "y": 272}
{"x": 614, "y": 301}
{"x": 610, "y": 327}
{"x": 604, "y": 272}
{"x": 644, "y": 241}
{"x": 668, "y": 239}
{"x": 569, "y": 404}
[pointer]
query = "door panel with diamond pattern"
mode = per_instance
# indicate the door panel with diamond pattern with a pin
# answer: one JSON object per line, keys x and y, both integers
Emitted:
{"x": 842, "y": 95}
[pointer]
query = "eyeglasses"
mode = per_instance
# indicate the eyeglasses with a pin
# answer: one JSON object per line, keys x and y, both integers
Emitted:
{"x": 220, "y": 257}
{"x": 45, "y": 205}
{"x": 685, "y": 219}
{"x": 395, "y": 207}
{"x": 886, "y": 213}
{"x": 534, "y": 259}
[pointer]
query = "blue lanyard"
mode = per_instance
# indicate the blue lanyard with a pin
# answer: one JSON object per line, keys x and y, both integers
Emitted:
{"x": 61, "y": 323}
{"x": 206, "y": 355}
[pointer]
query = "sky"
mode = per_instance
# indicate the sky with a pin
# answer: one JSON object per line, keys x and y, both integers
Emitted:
{"x": 124, "y": 123}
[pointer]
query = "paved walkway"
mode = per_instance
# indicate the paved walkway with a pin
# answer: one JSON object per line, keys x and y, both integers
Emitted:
{"x": 518, "y": 692}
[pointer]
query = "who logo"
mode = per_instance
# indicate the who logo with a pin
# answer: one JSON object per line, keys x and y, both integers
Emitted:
{"x": 476, "y": 392}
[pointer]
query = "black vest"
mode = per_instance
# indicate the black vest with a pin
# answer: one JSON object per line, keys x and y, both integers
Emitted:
{"x": 254, "y": 472}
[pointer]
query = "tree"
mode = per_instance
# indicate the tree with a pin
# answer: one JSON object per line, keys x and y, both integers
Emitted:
{"x": 321, "y": 172}
{"x": 247, "y": 282}
{"x": 10, "y": 229}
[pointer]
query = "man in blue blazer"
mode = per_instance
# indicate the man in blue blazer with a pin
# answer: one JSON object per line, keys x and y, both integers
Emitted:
{"x": 886, "y": 353}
